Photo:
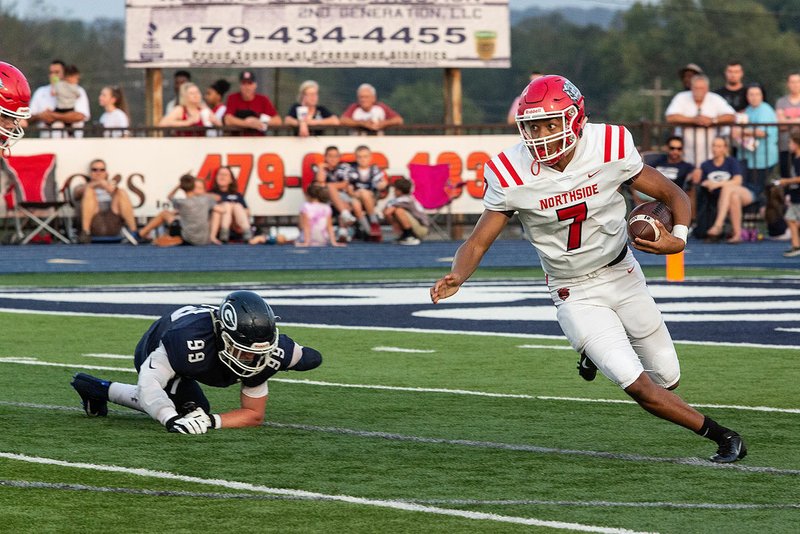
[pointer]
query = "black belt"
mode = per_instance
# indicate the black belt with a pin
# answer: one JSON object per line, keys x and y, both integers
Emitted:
{"x": 620, "y": 257}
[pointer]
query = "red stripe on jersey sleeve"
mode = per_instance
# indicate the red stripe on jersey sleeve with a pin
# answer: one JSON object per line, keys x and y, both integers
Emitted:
{"x": 500, "y": 178}
{"x": 621, "y": 142}
{"x": 510, "y": 168}
{"x": 607, "y": 149}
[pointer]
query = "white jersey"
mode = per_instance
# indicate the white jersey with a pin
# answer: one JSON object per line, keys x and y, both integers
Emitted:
{"x": 575, "y": 218}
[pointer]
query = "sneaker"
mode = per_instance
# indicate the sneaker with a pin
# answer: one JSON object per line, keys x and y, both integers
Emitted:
{"x": 586, "y": 368}
{"x": 792, "y": 252}
{"x": 93, "y": 392}
{"x": 375, "y": 233}
{"x": 785, "y": 236}
{"x": 347, "y": 217}
{"x": 731, "y": 448}
{"x": 129, "y": 236}
{"x": 409, "y": 240}
{"x": 343, "y": 235}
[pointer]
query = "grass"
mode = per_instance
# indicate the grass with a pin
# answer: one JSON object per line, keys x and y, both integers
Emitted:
{"x": 317, "y": 438}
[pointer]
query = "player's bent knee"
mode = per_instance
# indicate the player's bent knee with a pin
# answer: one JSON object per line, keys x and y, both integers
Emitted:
{"x": 311, "y": 359}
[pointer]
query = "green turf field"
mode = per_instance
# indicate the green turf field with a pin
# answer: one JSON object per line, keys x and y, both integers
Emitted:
{"x": 480, "y": 435}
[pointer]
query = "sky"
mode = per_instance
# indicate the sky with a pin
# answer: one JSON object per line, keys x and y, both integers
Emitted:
{"x": 88, "y": 10}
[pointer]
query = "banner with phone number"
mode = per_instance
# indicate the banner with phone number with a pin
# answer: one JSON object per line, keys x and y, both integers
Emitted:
{"x": 271, "y": 172}
{"x": 325, "y": 33}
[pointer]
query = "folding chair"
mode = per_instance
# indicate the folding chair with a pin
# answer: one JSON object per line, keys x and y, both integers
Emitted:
{"x": 33, "y": 197}
{"x": 434, "y": 191}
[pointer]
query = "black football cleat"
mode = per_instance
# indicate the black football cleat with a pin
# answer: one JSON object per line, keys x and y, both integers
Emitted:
{"x": 586, "y": 368}
{"x": 731, "y": 448}
{"x": 93, "y": 392}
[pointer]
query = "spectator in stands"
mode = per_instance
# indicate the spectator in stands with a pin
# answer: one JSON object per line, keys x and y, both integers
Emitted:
{"x": 760, "y": 144}
{"x": 181, "y": 77}
{"x": 249, "y": 111}
{"x": 231, "y": 209}
{"x": 215, "y": 97}
{"x": 191, "y": 111}
{"x": 316, "y": 219}
{"x": 365, "y": 182}
{"x": 686, "y": 74}
{"x": 333, "y": 175}
{"x": 406, "y": 215}
{"x": 307, "y": 112}
{"x": 734, "y": 92}
{"x": 67, "y": 92}
{"x": 787, "y": 109}
{"x": 104, "y": 207}
{"x": 369, "y": 116}
{"x": 672, "y": 166}
{"x": 115, "y": 111}
{"x": 512, "y": 111}
{"x": 193, "y": 212}
{"x": 43, "y": 105}
{"x": 792, "y": 186}
{"x": 723, "y": 195}
{"x": 700, "y": 111}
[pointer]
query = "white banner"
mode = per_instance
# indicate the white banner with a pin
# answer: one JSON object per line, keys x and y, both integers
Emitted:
{"x": 270, "y": 171}
{"x": 324, "y": 33}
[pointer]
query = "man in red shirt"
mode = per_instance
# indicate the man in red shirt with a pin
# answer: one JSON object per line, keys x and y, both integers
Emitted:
{"x": 368, "y": 116}
{"x": 249, "y": 111}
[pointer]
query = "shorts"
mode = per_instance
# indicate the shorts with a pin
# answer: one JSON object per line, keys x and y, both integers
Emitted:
{"x": 417, "y": 227}
{"x": 610, "y": 315}
{"x": 793, "y": 213}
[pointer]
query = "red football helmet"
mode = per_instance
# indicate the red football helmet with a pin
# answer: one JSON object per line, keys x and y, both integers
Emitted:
{"x": 15, "y": 96}
{"x": 550, "y": 97}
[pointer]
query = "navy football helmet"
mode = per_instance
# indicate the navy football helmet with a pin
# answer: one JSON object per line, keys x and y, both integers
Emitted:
{"x": 249, "y": 333}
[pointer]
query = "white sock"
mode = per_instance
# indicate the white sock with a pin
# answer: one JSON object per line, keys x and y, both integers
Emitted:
{"x": 125, "y": 395}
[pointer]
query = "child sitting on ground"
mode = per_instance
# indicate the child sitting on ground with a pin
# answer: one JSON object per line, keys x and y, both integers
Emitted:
{"x": 193, "y": 212}
{"x": 406, "y": 215}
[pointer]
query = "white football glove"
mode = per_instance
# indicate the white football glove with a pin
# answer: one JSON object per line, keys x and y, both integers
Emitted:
{"x": 194, "y": 422}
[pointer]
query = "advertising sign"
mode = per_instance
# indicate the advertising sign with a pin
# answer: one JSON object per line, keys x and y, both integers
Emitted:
{"x": 322, "y": 33}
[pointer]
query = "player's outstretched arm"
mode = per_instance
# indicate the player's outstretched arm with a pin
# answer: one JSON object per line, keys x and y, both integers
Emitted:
{"x": 469, "y": 254}
{"x": 250, "y": 414}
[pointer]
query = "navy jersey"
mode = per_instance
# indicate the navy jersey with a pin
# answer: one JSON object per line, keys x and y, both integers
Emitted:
{"x": 367, "y": 180}
{"x": 232, "y": 197}
{"x": 189, "y": 335}
{"x": 677, "y": 172}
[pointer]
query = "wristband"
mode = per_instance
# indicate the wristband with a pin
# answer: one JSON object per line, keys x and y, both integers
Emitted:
{"x": 681, "y": 231}
{"x": 216, "y": 421}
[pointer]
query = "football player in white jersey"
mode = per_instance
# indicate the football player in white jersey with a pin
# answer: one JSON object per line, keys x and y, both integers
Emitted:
{"x": 563, "y": 181}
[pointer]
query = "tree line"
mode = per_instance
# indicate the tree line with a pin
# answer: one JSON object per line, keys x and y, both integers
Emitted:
{"x": 611, "y": 65}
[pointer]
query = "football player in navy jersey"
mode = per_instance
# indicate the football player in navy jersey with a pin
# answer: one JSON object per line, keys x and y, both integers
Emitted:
{"x": 218, "y": 347}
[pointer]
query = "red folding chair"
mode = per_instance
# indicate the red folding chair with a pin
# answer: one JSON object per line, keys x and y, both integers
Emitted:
{"x": 434, "y": 191}
{"x": 33, "y": 198}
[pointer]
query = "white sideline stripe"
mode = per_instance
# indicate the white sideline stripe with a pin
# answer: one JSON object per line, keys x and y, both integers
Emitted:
{"x": 32, "y": 361}
{"x": 244, "y": 486}
{"x": 554, "y": 347}
{"x": 108, "y": 356}
{"x": 781, "y": 329}
{"x": 516, "y": 447}
{"x": 400, "y": 349}
{"x": 25, "y": 484}
{"x": 405, "y": 330}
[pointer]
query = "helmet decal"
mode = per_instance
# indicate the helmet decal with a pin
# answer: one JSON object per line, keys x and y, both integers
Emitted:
{"x": 572, "y": 91}
{"x": 228, "y": 316}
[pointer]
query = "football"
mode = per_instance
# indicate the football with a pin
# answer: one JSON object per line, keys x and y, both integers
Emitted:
{"x": 641, "y": 222}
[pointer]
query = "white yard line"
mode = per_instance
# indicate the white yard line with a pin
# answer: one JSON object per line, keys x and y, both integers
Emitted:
{"x": 32, "y": 361}
{"x": 108, "y": 356}
{"x": 245, "y": 486}
{"x": 400, "y": 349}
{"x": 553, "y": 347}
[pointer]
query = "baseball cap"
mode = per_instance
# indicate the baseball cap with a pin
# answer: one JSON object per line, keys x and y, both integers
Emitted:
{"x": 247, "y": 76}
{"x": 694, "y": 67}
